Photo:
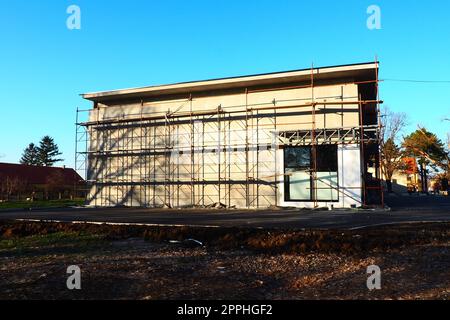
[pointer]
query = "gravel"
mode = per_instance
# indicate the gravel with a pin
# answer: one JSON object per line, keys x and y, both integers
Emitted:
{"x": 138, "y": 269}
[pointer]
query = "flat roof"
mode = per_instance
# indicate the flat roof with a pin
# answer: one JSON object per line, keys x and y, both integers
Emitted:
{"x": 360, "y": 70}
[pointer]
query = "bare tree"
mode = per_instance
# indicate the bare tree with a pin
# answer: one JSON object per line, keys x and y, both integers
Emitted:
{"x": 55, "y": 184}
{"x": 12, "y": 186}
{"x": 393, "y": 124}
{"x": 444, "y": 175}
{"x": 2, "y": 187}
{"x": 445, "y": 163}
{"x": 447, "y": 151}
{"x": 391, "y": 152}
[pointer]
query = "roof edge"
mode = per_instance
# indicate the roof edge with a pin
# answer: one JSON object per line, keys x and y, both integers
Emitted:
{"x": 118, "y": 92}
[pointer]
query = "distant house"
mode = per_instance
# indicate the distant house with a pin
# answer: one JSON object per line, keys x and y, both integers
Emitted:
{"x": 19, "y": 181}
{"x": 408, "y": 178}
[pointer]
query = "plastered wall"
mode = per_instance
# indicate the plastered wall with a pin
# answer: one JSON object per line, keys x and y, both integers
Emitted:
{"x": 201, "y": 161}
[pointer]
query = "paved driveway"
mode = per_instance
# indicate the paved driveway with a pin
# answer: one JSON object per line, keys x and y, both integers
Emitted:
{"x": 292, "y": 218}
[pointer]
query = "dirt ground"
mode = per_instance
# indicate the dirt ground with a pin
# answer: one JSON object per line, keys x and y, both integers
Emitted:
{"x": 264, "y": 264}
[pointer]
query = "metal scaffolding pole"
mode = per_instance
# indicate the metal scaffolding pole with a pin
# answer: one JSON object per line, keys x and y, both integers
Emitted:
{"x": 313, "y": 139}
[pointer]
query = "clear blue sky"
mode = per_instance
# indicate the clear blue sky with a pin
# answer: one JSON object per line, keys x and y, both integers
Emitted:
{"x": 44, "y": 66}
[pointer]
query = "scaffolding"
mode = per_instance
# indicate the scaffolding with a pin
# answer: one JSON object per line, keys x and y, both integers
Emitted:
{"x": 215, "y": 156}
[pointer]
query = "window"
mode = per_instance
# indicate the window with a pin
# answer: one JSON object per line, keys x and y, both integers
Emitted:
{"x": 297, "y": 158}
{"x": 298, "y": 168}
{"x": 327, "y": 158}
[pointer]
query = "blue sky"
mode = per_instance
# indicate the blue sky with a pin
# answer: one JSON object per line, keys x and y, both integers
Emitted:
{"x": 44, "y": 66}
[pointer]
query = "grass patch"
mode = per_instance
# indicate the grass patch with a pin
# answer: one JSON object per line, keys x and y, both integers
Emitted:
{"x": 67, "y": 235}
{"x": 41, "y": 204}
{"x": 58, "y": 239}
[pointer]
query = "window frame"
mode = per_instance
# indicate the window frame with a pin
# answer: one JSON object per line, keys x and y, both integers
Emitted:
{"x": 302, "y": 168}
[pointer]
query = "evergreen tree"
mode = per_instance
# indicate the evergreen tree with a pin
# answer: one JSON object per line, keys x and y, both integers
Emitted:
{"x": 48, "y": 152}
{"x": 426, "y": 146}
{"x": 30, "y": 156}
{"x": 428, "y": 149}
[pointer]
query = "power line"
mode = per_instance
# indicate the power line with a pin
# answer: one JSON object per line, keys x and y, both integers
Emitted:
{"x": 418, "y": 81}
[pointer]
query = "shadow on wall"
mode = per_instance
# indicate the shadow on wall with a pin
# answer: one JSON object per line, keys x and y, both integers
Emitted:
{"x": 129, "y": 167}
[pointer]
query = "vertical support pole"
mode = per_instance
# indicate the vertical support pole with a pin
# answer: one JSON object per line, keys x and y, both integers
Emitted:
{"x": 76, "y": 153}
{"x": 165, "y": 159}
{"x": 257, "y": 159}
{"x": 122, "y": 166}
{"x": 379, "y": 128}
{"x": 342, "y": 107}
{"x": 362, "y": 153}
{"x": 219, "y": 146}
{"x": 229, "y": 161}
{"x": 275, "y": 151}
{"x": 142, "y": 162}
{"x": 226, "y": 160}
{"x": 178, "y": 183}
{"x": 102, "y": 196}
{"x": 87, "y": 160}
{"x": 191, "y": 123}
{"x": 247, "y": 189}
{"x": 313, "y": 139}
{"x": 203, "y": 161}
{"x": 130, "y": 177}
{"x": 154, "y": 164}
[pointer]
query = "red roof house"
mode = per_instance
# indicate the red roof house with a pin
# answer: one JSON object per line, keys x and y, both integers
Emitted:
{"x": 36, "y": 175}
{"x": 18, "y": 180}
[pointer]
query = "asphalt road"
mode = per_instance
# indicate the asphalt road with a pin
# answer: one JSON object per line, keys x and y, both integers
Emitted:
{"x": 419, "y": 211}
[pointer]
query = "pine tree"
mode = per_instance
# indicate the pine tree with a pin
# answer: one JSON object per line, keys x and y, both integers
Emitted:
{"x": 428, "y": 149}
{"x": 48, "y": 152}
{"x": 30, "y": 156}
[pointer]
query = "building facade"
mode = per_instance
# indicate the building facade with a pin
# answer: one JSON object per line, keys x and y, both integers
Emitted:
{"x": 304, "y": 138}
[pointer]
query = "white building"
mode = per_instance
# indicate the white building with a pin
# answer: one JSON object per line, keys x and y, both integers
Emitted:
{"x": 281, "y": 139}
